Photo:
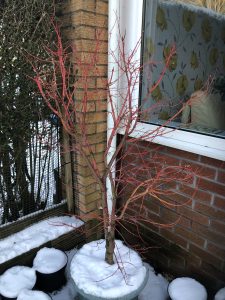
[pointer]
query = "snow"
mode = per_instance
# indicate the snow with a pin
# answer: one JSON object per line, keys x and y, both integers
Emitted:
{"x": 36, "y": 235}
{"x": 156, "y": 287}
{"x": 220, "y": 295}
{"x": 16, "y": 279}
{"x": 94, "y": 276}
{"x": 49, "y": 260}
{"x": 34, "y": 295}
{"x": 185, "y": 288}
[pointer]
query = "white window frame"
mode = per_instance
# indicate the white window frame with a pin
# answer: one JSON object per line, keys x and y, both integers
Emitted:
{"x": 130, "y": 18}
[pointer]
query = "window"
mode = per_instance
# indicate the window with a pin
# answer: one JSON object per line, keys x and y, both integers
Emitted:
{"x": 195, "y": 61}
{"x": 195, "y": 69}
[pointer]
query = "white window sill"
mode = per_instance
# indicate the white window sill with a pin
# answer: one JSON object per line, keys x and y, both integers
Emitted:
{"x": 187, "y": 141}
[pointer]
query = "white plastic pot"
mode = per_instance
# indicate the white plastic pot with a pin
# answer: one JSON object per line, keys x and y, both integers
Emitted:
{"x": 96, "y": 280}
{"x": 34, "y": 295}
{"x": 131, "y": 296}
{"x": 14, "y": 280}
{"x": 185, "y": 288}
{"x": 50, "y": 264}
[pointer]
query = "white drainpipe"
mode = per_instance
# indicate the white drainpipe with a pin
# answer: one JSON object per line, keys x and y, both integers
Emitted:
{"x": 114, "y": 13}
{"x": 129, "y": 15}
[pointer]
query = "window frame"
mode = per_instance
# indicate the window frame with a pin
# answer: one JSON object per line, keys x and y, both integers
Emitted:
{"x": 198, "y": 143}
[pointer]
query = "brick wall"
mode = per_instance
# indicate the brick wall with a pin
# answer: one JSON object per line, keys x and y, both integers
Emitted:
{"x": 195, "y": 246}
{"x": 83, "y": 21}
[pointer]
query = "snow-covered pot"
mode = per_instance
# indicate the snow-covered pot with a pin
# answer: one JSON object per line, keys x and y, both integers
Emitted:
{"x": 33, "y": 295}
{"x": 14, "y": 280}
{"x": 50, "y": 264}
{"x": 96, "y": 280}
{"x": 185, "y": 288}
{"x": 220, "y": 295}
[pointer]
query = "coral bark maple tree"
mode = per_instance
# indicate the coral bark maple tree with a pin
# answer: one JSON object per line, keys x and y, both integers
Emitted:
{"x": 59, "y": 87}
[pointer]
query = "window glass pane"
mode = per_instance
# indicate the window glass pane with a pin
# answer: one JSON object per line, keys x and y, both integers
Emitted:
{"x": 194, "y": 80}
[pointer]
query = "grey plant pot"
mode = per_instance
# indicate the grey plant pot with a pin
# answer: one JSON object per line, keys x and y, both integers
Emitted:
{"x": 131, "y": 296}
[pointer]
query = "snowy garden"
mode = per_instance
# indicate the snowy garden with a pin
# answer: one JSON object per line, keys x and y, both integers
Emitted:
{"x": 54, "y": 272}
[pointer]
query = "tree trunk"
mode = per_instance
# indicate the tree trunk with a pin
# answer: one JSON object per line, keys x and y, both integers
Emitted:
{"x": 27, "y": 201}
{"x": 11, "y": 202}
{"x": 68, "y": 176}
{"x": 110, "y": 243}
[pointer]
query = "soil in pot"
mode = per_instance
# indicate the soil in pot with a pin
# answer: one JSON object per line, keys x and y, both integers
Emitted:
{"x": 95, "y": 279}
{"x": 50, "y": 264}
{"x": 15, "y": 279}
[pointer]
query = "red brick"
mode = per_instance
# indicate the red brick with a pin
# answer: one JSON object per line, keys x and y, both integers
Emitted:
{"x": 211, "y": 186}
{"x": 128, "y": 159}
{"x": 152, "y": 205}
{"x": 221, "y": 177}
{"x": 169, "y": 217}
{"x": 196, "y": 194}
{"x": 205, "y": 256}
{"x": 200, "y": 170}
{"x": 182, "y": 154}
{"x": 146, "y": 218}
{"x": 212, "y": 162}
{"x": 216, "y": 250}
{"x": 151, "y": 227}
{"x": 180, "y": 199}
{"x": 218, "y": 226}
{"x": 151, "y": 146}
{"x": 208, "y": 234}
{"x": 190, "y": 236}
{"x": 219, "y": 202}
{"x": 193, "y": 215}
{"x": 205, "y": 172}
{"x": 168, "y": 234}
{"x": 154, "y": 219}
{"x": 212, "y": 270}
{"x": 167, "y": 160}
{"x": 177, "y": 262}
{"x": 210, "y": 211}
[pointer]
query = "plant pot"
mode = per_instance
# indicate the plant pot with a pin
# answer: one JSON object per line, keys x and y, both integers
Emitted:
{"x": 185, "y": 288}
{"x": 96, "y": 280}
{"x": 50, "y": 265}
{"x": 15, "y": 279}
{"x": 131, "y": 296}
{"x": 34, "y": 295}
{"x": 6, "y": 298}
